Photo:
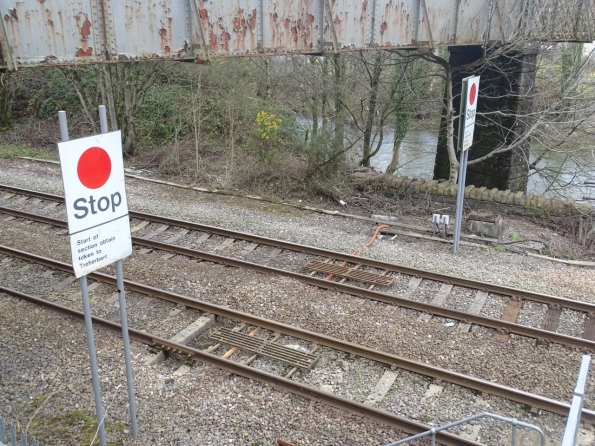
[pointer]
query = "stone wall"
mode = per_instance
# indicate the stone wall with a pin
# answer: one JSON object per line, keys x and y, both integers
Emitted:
{"x": 476, "y": 198}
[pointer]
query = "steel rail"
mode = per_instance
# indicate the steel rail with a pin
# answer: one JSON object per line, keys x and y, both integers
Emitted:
{"x": 460, "y": 379}
{"x": 392, "y": 267}
{"x": 311, "y": 393}
{"x": 497, "y": 324}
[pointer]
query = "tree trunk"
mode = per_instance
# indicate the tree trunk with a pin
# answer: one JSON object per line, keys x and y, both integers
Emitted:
{"x": 107, "y": 95}
{"x": 263, "y": 80}
{"x": 323, "y": 95}
{"x": 340, "y": 67}
{"x": 5, "y": 101}
{"x": 450, "y": 128}
{"x": 374, "y": 80}
{"x": 394, "y": 162}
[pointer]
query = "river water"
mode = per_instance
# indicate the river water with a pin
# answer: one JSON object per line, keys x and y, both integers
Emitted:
{"x": 418, "y": 151}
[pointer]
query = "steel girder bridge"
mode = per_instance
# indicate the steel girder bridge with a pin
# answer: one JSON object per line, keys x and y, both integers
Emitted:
{"x": 67, "y": 32}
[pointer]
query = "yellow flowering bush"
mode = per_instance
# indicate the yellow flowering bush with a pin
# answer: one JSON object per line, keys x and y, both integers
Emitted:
{"x": 266, "y": 124}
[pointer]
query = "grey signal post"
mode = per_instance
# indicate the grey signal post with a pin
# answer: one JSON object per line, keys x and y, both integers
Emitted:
{"x": 123, "y": 316}
{"x": 88, "y": 322}
{"x": 466, "y": 127}
{"x": 89, "y": 318}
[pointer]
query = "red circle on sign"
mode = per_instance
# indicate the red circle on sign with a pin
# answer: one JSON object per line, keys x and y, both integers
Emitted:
{"x": 94, "y": 167}
{"x": 473, "y": 94}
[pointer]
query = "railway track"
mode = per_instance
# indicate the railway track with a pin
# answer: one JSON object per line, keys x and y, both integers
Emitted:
{"x": 429, "y": 293}
{"x": 247, "y": 323}
{"x": 246, "y": 371}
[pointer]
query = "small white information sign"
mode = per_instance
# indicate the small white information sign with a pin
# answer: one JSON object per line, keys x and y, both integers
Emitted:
{"x": 469, "y": 110}
{"x": 96, "y": 205}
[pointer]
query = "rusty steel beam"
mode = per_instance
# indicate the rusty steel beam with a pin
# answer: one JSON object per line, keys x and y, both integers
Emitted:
{"x": 67, "y": 32}
{"x": 460, "y": 379}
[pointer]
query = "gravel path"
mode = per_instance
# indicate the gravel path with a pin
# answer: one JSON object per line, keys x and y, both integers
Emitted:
{"x": 207, "y": 406}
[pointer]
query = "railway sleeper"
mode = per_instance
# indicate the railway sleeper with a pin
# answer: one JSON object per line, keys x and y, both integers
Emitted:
{"x": 184, "y": 337}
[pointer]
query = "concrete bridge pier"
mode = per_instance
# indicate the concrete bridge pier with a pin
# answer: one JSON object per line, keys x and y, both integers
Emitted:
{"x": 506, "y": 84}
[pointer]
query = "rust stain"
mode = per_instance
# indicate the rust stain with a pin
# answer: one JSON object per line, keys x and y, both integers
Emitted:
{"x": 84, "y": 52}
{"x": 309, "y": 19}
{"x": 226, "y": 38}
{"x": 237, "y": 26}
{"x": 13, "y": 12}
{"x": 162, "y": 32}
{"x": 383, "y": 28}
{"x": 204, "y": 14}
{"x": 184, "y": 50}
{"x": 252, "y": 19}
{"x": 167, "y": 49}
{"x": 365, "y": 5}
{"x": 51, "y": 23}
{"x": 213, "y": 41}
{"x": 294, "y": 34}
{"x": 275, "y": 16}
{"x": 6, "y": 17}
{"x": 86, "y": 28}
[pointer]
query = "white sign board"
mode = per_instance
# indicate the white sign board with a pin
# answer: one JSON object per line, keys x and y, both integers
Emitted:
{"x": 470, "y": 92}
{"x": 96, "y": 205}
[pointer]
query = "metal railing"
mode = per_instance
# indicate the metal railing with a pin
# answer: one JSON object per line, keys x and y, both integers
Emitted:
{"x": 572, "y": 424}
{"x": 12, "y": 436}
{"x": 515, "y": 423}
{"x": 576, "y": 407}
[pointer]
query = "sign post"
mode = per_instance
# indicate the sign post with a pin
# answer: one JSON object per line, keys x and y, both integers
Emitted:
{"x": 99, "y": 229}
{"x": 469, "y": 94}
{"x": 123, "y": 316}
{"x": 88, "y": 319}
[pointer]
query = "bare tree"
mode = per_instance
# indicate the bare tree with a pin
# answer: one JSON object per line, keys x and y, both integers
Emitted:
{"x": 121, "y": 88}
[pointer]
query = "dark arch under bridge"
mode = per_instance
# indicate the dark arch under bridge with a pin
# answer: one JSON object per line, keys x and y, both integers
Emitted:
{"x": 66, "y": 32}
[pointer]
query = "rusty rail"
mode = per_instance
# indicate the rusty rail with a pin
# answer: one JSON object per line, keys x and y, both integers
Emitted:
{"x": 460, "y": 379}
{"x": 389, "y": 267}
{"x": 296, "y": 388}
{"x": 497, "y": 324}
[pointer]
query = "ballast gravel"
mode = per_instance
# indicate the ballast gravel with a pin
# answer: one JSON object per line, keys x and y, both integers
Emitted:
{"x": 45, "y": 355}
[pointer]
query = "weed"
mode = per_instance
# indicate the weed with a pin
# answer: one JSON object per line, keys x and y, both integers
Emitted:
{"x": 499, "y": 248}
{"x": 516, "y": 237}
{"x": 11, "y": 151}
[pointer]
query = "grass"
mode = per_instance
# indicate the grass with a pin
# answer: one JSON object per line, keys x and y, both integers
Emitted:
{"x": 12, "y": 151}
{"x": 516, "y": 237}
{"x": 79, "y": 426}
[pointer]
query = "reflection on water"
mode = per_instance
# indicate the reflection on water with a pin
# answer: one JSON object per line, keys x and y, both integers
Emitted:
{"x": 416, "y": 159}
{"x": 563, "y": 176}
{"x": 418, "y": 151}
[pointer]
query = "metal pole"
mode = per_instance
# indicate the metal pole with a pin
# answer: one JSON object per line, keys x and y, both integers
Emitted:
{"x": 93, "y": 359}
{"x": 126, "y": 340}
{"x": 123, "y": 316}
{"x": 63, "y": 126}
{"x": 88, "y": 322}
{"x": 460, "y": 196}
{"x": 103, "y": 119}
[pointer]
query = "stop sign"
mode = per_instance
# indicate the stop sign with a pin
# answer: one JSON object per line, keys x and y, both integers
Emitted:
{"x": 468, "y": 110}
{"x": 96, "y": 205}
